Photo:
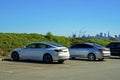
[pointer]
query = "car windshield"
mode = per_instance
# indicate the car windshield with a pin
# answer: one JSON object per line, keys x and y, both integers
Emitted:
{"x": 55, "y": 44}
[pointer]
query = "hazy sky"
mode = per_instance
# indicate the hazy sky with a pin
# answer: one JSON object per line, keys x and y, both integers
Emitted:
{"x": 61, "y": 17}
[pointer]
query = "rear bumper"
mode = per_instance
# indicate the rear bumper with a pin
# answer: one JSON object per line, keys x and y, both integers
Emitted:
{"x": 103, "y": 55}
{"x": 106, "y": 54}
{"x": 62, "y": 56}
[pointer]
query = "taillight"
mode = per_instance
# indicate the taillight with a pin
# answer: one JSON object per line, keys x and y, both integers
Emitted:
{"x": 106, "y": 49}
{"x": 100, "y": 50}
{"x": 58, "y": 50}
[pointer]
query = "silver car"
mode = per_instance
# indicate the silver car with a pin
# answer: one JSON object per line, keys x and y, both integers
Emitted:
{"x": 41, "y": 51}
{"x": 89, "y": 50}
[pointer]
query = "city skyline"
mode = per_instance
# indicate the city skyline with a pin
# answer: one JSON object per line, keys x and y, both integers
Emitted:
{"x": 102, "y": 36}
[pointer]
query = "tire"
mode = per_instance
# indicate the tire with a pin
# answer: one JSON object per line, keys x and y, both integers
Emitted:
{"x": 91, "y": 57}
{"x": 47, "y": 58}
{"x": 61, "y": 61}
{"x": 15, "y": 56}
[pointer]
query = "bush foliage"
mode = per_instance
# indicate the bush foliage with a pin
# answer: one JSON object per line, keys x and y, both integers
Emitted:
{"x": 9, "y": 41}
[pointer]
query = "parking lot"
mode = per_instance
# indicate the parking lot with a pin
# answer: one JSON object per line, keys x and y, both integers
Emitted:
{"x": 78, "y": 69}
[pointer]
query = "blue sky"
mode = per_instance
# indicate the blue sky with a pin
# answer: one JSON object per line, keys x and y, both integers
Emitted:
{"x": 61, "y": 17}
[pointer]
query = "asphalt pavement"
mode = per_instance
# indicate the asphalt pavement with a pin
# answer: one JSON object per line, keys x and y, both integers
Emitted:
{"x": 78, "y": 69}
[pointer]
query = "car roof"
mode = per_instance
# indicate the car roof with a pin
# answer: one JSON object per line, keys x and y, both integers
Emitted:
{"x": 115, "y": 42}
{"x": 86, "y": 43}
{"x": 92, "y": 44}
{"x": 50, "y": 43}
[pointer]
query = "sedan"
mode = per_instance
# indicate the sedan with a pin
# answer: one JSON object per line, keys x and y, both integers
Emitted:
{"x": 89, "y": 50}
{"x": 41, "y": 51}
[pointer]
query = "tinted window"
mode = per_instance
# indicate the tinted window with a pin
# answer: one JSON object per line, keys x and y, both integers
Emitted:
{"x": 85, "y": 46}
{"x": 75, "y": 46}
{"x": 31, "y": 45}
{"x": 43, "y": 46}
{"x": 81, "y": 46}
{"x": 114, "y": 45}
{"x": 118, "y": 46}
{"x": 111, "y": 45}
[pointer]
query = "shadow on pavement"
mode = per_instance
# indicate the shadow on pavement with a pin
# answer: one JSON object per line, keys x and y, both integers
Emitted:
{"x": 114, "y": 57}
{"x": 88, "y": 60}
{"x": 30, "y": 61}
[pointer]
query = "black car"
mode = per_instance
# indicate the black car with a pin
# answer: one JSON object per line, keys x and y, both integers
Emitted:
{"x": 114, "y": 48}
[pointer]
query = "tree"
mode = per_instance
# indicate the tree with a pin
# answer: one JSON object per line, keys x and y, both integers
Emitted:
{"x": 49, "y": 35}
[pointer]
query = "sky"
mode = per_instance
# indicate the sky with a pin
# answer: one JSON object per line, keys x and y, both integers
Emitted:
{"x": 60, "y": 17}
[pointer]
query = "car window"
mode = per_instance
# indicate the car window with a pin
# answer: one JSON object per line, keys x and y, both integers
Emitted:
{"x": 117, "y": 45}
{"x": 31, "y": 45}
{"x": 85, "y": 46}
{"x": 81, "y": 46}
{"x": 43, "y": 46}
{"x": 112, "y": 45}
{"x": 75, "y": 46}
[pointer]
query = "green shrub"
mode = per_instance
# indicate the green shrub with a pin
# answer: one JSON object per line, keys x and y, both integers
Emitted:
{"x": 9, "y": 41}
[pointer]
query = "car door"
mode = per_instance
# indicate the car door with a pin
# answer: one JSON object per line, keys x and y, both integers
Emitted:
{"x": 78, "y": 50}
{"x": 74, "y": 50}
{"x": 40, "y": 50}
{"x": 29, "y": 52}
{"x": 85, "y": 49}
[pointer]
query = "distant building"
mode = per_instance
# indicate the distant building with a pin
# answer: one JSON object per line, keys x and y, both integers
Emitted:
{"x": 102, "y": 36}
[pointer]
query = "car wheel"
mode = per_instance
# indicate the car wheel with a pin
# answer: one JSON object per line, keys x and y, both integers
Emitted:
{"x": 91, "y": 57}
{"x": 61, "y": 61}
{"x": 47, "y": 58}
{"x": 15, "y": 56}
